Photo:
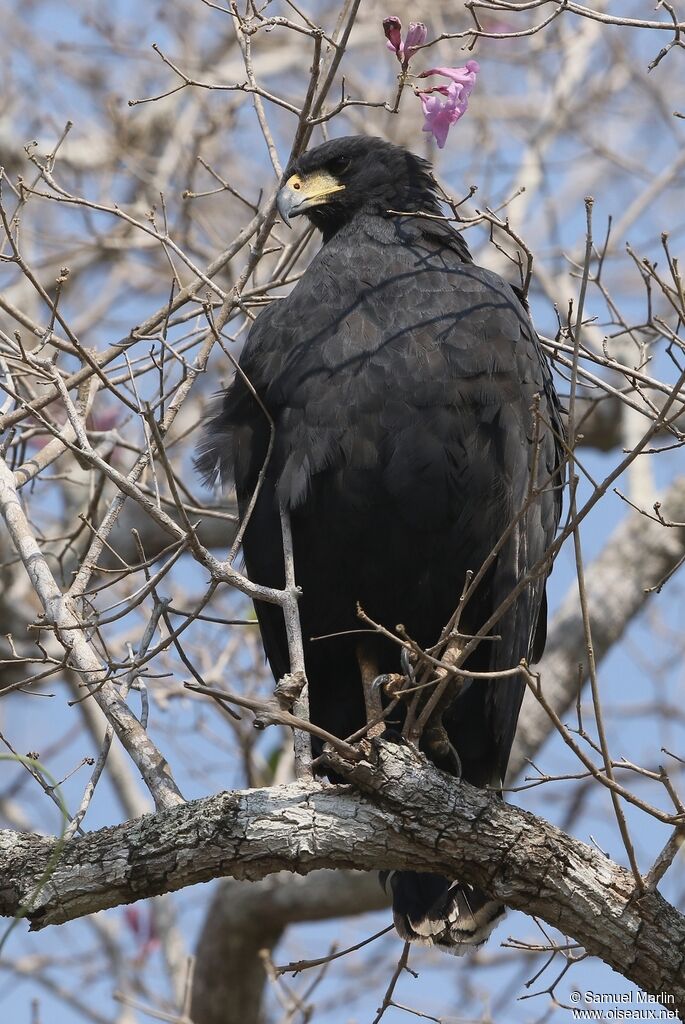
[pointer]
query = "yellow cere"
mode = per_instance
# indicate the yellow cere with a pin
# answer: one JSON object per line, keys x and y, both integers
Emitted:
{"x": 314, "y": 186}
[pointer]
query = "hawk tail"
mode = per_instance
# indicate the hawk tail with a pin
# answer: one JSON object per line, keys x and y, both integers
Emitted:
{"x": 433, "y": 911}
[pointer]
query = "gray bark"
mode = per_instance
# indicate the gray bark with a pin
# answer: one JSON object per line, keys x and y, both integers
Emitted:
{"x": 400, "y": 813}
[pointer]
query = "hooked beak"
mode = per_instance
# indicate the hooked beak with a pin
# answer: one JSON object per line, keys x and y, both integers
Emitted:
{"x": 287, "y": 201}
{"x": 301, "y": 193}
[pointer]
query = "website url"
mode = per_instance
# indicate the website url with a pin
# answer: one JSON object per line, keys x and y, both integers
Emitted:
{"x": 621, "y": 1013}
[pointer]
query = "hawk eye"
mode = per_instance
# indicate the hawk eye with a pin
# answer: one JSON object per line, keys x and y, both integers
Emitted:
{"x": 339, "y": 165}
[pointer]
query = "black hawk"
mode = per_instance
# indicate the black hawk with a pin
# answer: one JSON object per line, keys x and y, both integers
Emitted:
{"x": 416, "y": 430}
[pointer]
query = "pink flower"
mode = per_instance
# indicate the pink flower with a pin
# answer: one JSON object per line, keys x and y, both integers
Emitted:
{"x": 416, "y": 36}
{"x": 464, "y": 76}
{"x": 443, "y": 105}
{"x": 393, "y": 33}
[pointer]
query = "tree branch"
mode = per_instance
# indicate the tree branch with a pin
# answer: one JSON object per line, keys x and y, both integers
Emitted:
{"x": 403, "y": 814}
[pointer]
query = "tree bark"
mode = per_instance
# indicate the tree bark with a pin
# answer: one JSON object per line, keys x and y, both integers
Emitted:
{"x": 401, "y": 813}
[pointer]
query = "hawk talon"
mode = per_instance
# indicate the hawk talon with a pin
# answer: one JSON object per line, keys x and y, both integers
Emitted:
{"x": 441, "y": 751}
{"x": 407, "y": 667}
{"x": 380, "y": 681}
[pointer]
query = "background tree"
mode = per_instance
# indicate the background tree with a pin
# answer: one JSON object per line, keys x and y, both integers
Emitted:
{"x": 141, "y": 149}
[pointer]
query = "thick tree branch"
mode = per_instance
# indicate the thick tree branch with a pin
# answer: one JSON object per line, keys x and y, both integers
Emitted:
{"x": 401, "y": 814}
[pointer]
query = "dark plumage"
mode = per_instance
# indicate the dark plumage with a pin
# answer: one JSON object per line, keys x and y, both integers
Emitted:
{"x": 401, "y": 379}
